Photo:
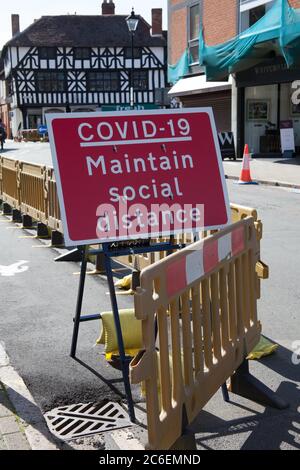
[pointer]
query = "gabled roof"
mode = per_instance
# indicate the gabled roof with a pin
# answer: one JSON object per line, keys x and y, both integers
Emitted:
{"x": 85, "y": 31}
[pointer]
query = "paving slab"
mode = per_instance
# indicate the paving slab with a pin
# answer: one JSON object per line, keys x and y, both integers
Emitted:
{"x": 278, "y": 172}
{"x": 16, "y": 441}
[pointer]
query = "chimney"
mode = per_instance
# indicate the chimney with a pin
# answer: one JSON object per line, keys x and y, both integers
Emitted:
{"x": 108, "y": 7}
{"x": 156, "y": 21}
{"x": 15, "y": 24}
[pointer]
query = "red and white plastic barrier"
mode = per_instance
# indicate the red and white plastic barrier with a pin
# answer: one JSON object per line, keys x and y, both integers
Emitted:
{"x": 204, "y": 259}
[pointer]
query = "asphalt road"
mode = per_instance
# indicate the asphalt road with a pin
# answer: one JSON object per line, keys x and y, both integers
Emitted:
{"x": 38, "y": 304}
{"x": 37, "y": 308}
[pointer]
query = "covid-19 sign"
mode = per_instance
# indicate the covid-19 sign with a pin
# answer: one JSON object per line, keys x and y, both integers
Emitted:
{"x": 137, "y": 174}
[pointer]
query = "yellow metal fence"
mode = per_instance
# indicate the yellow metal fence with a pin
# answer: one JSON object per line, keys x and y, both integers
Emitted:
{"x": 10, "y": 182}
{"x": 32, "y": 190}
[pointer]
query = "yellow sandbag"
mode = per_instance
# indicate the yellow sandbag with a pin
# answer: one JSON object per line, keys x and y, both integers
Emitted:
{"x": 131, "y": 331}
{"x": 125, "y": 282}
{"x": 263, "y": 348}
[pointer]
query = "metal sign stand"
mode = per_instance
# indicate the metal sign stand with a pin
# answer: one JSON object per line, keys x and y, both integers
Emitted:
{"x": 111, "y": 250}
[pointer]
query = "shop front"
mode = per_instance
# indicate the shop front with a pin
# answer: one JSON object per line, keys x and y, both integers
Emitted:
{"x": 265, "y": 94}
{"x": 195, "y": 91}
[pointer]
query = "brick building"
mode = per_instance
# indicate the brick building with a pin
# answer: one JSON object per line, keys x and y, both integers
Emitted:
{"x": 257, "y": 96}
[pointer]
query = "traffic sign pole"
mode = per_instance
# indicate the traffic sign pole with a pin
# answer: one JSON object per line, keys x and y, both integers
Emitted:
{"x": 124, "y": 360}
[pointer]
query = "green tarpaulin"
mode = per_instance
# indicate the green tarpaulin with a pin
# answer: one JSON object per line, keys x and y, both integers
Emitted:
{"x": 278, "y": 31}
{"x": 179, "y": 70}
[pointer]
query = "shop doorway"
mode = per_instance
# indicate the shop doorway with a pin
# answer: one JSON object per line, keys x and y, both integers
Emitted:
{"x": 265, "y": 107}
{"x": 34, "y": 121}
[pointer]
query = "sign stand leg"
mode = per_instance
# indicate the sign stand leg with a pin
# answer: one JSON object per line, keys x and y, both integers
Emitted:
{"x": 246, "y": 385}
{"x": 225, "y": 392}
{"x": 79, "y": 301}
{"x": 123, "y": 359}
{"x": 187, "y": 440}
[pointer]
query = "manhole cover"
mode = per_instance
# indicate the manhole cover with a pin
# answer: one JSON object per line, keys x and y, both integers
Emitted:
{"x": 71, "y": 422}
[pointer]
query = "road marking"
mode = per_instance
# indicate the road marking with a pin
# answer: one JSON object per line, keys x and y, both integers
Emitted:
{"x": 47, "y": 246}
{"x": 28, "y": 236}
{"x": 13, "y": 269}
{"x": 297, "y": 191}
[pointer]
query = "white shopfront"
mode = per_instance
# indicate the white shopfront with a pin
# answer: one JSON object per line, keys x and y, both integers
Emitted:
{"x": 265, "y": 105}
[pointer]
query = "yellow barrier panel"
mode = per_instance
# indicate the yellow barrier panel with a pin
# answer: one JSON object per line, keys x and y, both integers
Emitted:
{"x": 205, "y": 300}
{"x": 10, "y": 170}
{"x": 33, "y": 191}
{"x": 54, "y": 220}
{"x": 241, "y": 212}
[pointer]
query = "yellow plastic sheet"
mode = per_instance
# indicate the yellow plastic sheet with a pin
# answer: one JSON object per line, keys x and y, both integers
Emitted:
{"x": 125, "y": 282}
{"x": 263, "y": 348}
{"x": 131, "y": 331}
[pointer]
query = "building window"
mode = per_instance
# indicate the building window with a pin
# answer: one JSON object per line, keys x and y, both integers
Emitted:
{"x": 10, "y": 87}
{"x": 137, "y": 53}
{"x": 140, "y": 80}
{"x": 103, "y": 81}
{"x": 82, "y": 53}
{"x": 47, "y": 53}
{"x": 252, "y": 11}
{"x": 50, "y": 81}
{"x": 256, "y": 14}
{"x": 194, "y": 31}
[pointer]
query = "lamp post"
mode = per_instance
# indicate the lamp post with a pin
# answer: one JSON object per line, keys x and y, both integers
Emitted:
{"x": 132, "y": 22}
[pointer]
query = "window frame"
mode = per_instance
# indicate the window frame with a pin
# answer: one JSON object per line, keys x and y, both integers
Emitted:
{"x": 251, "y": 12}
{"x": 145, "y": 79}
{"x": 193, "y": 42}
{"x": 246, "y": 7}
{"x": 51, "y": 80}
{"x": 47, "y": 56}
{"x": 82, "y": 56}
{"x": 137, "y": 53}
{"x": 95, "y": 88}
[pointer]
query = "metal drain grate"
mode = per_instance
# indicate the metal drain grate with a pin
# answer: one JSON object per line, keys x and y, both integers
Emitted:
{"x": 71, "y": 422}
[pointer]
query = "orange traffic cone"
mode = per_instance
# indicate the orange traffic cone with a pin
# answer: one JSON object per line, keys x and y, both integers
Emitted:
{"x": 245, "y": 177}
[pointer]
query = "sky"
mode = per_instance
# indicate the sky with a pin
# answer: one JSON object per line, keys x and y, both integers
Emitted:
{"x": 34, "y": 9}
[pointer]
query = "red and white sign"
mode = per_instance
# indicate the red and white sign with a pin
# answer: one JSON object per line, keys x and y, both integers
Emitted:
{"x": 195, "y": 264}
{"x": 129, "y": 175}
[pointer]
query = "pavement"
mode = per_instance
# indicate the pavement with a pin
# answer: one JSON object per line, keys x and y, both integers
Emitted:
{"x": 37, "y": 307}
{"x": 12, "y": 435}
{"x": 22, "y": 425}
{"x": 273, "y": 171}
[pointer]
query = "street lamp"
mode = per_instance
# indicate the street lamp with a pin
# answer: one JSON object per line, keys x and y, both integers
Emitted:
{"x": 132, "y": 22}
